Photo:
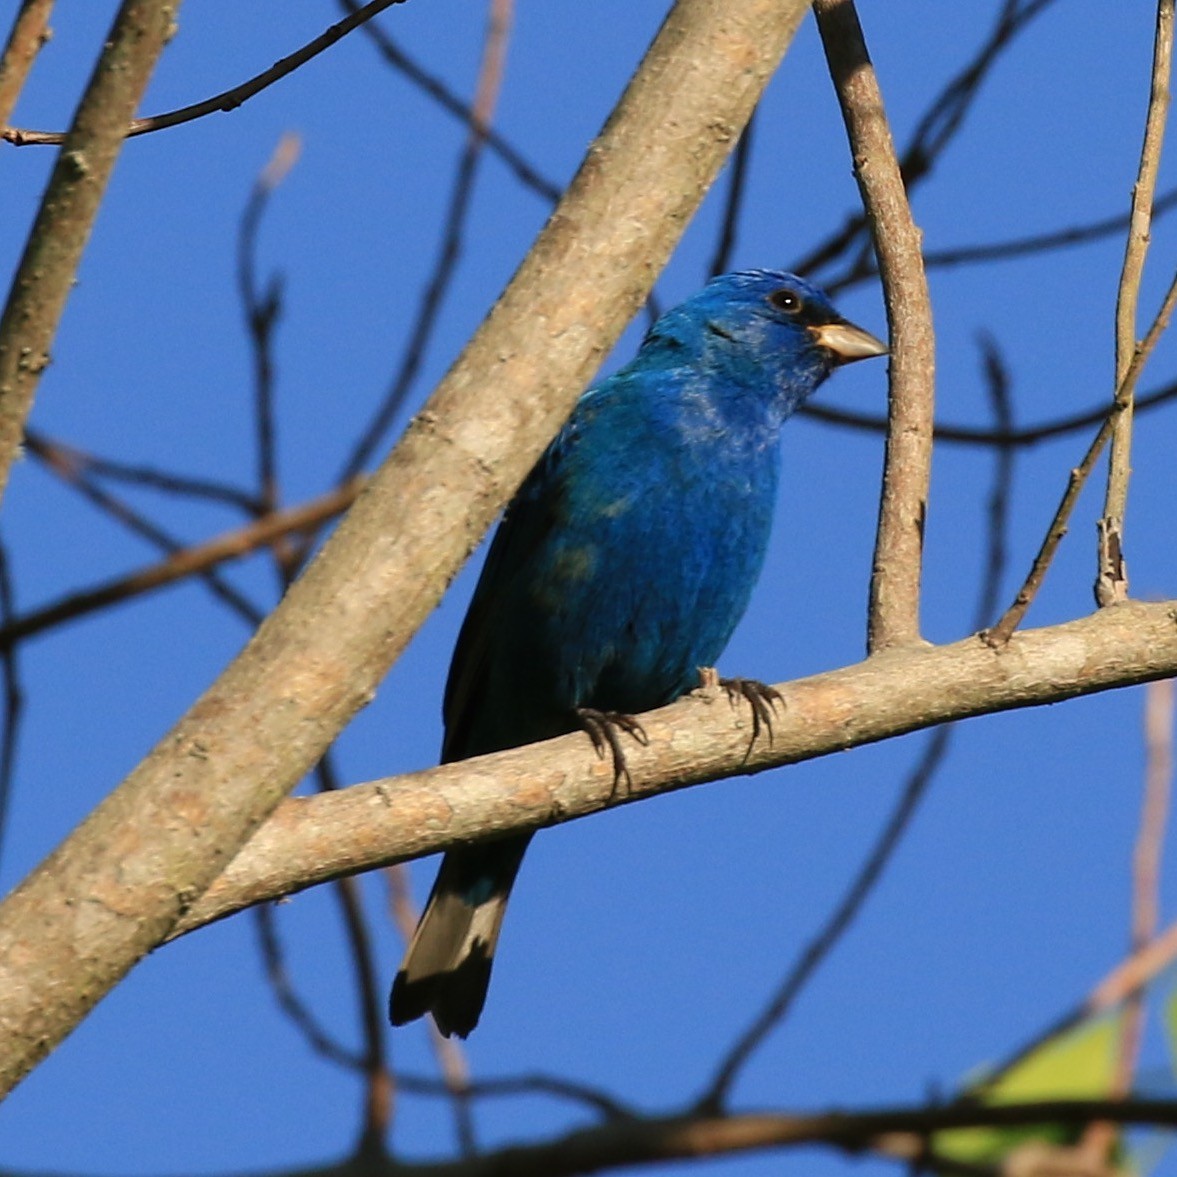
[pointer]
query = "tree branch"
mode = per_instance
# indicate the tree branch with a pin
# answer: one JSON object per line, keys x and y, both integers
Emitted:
{"x": 46, "y": 272}
{"x": 311, "y": 840}
{"x": 191, "y": 561}
{"x": 895, "y": 580}
{"x": 655, "y": 1139}
{"x": 1111, "y": 581}
{"x": 30, "y": 31}
{"x": 227, "y": 100}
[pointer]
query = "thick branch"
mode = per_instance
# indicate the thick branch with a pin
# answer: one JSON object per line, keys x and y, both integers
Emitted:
{"x": 30, "y": 31}
{"x": 117, "y": 886}
{"x": 311, "y": 840}
{"x": 644, "y": 1142}
{"x": 895, "y": 580}
{"x": 46, "y": 272}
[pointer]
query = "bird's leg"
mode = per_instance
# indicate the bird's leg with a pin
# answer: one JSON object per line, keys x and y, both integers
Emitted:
{"x": 602, "y": 728}
{"x": 761, "y": 698}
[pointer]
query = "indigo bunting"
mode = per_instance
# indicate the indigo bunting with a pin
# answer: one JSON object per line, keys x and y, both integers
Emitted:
{"x": 620, "y": 569}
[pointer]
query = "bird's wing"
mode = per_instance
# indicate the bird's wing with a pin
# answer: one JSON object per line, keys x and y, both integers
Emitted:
{"x": 529, "y": 519}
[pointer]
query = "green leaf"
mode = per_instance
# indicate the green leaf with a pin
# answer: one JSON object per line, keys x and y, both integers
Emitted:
{"x": 1077, "y": 1064}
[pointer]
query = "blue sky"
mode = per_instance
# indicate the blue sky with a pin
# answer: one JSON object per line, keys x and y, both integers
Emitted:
{"x": 640, "y": 942}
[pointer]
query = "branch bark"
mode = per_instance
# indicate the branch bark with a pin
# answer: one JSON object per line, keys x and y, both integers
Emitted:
{"x": 30, "y": 31}
{"x": 46, "y": 272}
{"x": 117, "y": 886}
{"x": 898, "y": 559}
{"x": 310, "y": 840}
{"x": 1111, "y": 581}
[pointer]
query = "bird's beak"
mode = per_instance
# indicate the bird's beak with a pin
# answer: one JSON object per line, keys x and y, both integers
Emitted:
{"x": 847, "y": 343}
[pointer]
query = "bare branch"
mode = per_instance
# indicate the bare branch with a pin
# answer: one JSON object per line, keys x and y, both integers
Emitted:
{"x": 190, "y": 561}
{"x": 289, "y": 1002}
{"x": 451, "y": 1058}
{"x": 1012, "y": 617}
{"x": 311, "y": 840}
{"x": 592, "y": 1098}
{"x": 46, "y": 272}
{"x": 13, "y": 697}
{"x": 77, "y": 476}
{"x": 72, "y": 463}
{"x": 649, "y": 1141}
{"x": 30, "y": 31}
{"x": 262, "y": 312}
{"x": 436, "y": 89}
{"x": 1111, "y": 581}
{"x": 445, "y": 268}
{"x": 227, "y": 100}
{"x": 934, "y": 132}
{"x": 895, "y": 580}
{"x": 734, "y": 206}
{"x": 1032, "y": 435}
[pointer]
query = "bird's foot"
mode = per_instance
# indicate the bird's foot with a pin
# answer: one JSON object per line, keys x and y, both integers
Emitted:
{"x": 761, "y": 698}
{"x": 603, "y": 728}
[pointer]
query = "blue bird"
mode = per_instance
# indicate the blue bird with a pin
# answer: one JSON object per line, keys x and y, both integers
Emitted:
{"x": 620, "y": 569}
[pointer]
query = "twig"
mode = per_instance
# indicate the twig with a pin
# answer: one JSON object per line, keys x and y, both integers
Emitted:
{"x": 1100, "y": 1138}
{"x": 1158, "y": 736}
{"x": 738, "y": 169}
{"x": 996, "y": 555}
{"x": 819, "y": 948}
{"x": 937, "y": 127}
{"x": 227, "y": 100}
{"x": 895, "y": 580}
{"x": 1111, "y": 581}
{"x": 1032, "y": 435}
{"x": 262, "y": 311}
{"x": 45, "y": 276}
{"x": 998, "y": 251}
{"x": 78, "y": 478}
{"x": 1012, "y": 618}
{"x": 445, "y": 267}
{"x": 377, "y": 1111}
{"x": 30, "y": 31}
{"x": 513, "y": 1085}
{"x": 1150, "y": 844}
{"x": 319, "y": 1040}
{"x": 436, "y": 89}
{"x": 72, "y": 463}
{"x": 645, "y": 1141}
{"x": 13, "y": 697}
{"x": 188, "y": 562}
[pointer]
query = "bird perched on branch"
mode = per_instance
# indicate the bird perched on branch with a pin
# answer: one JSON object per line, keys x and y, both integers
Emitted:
{"x": 619, "y": 570}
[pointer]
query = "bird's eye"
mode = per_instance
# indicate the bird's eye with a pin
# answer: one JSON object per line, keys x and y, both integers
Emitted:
{"x": 786, "y": 300}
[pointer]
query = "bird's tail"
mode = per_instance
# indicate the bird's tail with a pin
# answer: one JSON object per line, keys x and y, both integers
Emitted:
{"x": 446, "y": 969}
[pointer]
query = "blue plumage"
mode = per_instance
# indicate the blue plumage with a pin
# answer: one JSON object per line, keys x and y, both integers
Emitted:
{"x": 620, "y": 568}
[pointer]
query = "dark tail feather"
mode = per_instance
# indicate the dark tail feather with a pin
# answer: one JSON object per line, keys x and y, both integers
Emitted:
{"x": 446, "y": 969}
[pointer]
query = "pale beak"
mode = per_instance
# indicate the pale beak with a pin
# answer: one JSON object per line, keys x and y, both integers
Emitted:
{"x": 847, "y": 343}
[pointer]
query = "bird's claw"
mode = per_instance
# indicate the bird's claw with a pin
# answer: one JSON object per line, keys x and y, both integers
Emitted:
{"x": 602, "y": 728}
{"x": 761, "y": 698}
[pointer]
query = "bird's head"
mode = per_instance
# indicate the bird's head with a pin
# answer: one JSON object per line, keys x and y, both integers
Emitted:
{"x": 770, "y": 328}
